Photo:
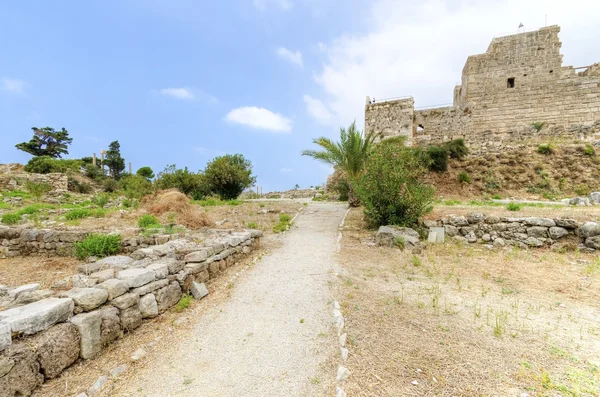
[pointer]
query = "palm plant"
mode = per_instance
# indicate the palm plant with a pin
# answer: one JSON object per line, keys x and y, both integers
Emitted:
{"x": 348, "y": 155}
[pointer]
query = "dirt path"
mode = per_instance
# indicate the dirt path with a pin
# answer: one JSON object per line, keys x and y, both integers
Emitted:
{"x": 271, "y": 337}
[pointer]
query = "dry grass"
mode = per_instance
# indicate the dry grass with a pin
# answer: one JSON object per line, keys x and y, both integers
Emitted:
{"x": 465, "y": 321}
{"x": 36, "y": 269}
{"x": 173, "y": 201}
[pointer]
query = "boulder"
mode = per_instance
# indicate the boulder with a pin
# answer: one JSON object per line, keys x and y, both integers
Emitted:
{"x": 534, "y": 242}
{"x": 451, "y": 231}
{"x": 386, "y": 236}
{"x": 499, "y": 242}
{"x": 537, "y": 231}
{"x": 114, "y": 287}
{"x": 168, "y": 296}
{"x": 457, "y": 220}
{"x": 56, "y": 349}
{"x": 590, "y": 229}
{"x": 593, "y": 242}
{"x": 594, "y": 197}
{"x": 126, "y": 300}
{"x": 567, "y": 223}
{"x": 136, "y": 277}
{"x": 557, "y": 232}
{"x": 580, "y": 201}
{"x": 37, "y": 316}
{"x": 198, "y": 290}
{"x": 173, "y": 264}
{"x": 110, "y": 329}
{"x": 131, "y": 318}
{"x": 23, "y": 375}
{"x": 148, "y": 306}
{"x": 89, "y": 327}
{"x": 5, "y": 336}
{"x": 88, "y": 298}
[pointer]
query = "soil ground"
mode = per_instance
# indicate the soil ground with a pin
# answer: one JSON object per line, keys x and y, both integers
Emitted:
{"x": 465, "y": 321}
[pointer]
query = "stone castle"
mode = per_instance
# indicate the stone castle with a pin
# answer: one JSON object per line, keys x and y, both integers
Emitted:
{"x": 517, "y": 90}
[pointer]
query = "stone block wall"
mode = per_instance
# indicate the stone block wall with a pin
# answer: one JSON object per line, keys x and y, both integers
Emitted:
{"x": 12, "y": 178}
{"x": 517, "y": 82}
{"x": 112, "y": 296}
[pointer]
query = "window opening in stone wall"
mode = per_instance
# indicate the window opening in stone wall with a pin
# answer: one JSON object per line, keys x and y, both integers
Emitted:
{"x": 420, "y": 128}
{"x": 510, "y": 83}
{"x": 551, "y": 71}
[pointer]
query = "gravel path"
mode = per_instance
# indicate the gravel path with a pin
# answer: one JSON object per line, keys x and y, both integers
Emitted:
{"x": 271, "y": 336}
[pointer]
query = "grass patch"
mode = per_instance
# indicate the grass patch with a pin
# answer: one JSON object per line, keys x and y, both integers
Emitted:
{"x": 81, "y": 213}
{"x": 11, "y": 219}
{"x": 146, "y": 221}
{"x": 513, "y": 207}
{"x": 17, "y": 193}
{"x": 99, "y": 245}
{"x": 284, "y": 223}
{"x": 545, "y": 148}
{"x": 184, "y": 303}
{"x": 252, "y": 225}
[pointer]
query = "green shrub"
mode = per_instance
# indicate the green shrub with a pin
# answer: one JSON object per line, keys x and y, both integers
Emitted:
{"x": 100, "y": 200}
{"x": 145, "y": 172}
{"x": 456, "y": 149}
{"x": 11, "y": 219}
{"x": 37, "y": 190}
{"x": 538, "y": 125}
{"x": 234, "y": 202}
{"x": 438, "y": 157}
{"x": 79, "y": 187}
{"x": 148, "y": 220}
{"x": 338, "y": 183}
{"x": 99, "y": 245}
{"x": 109, "y": 185}
{"x": 188, "y": 182}
{"x": 183, "y": 303}
{"x": 261, "y": 205}
{"x": 582, "y": 190}
{"x": 545, "y": 148}
{"x": 35, "y": 208}
{"x": 93, "y": 172}
{"x": 283, "y": 224}
{"x": 589, "y": 150}
{"x": 284, "y": 218}
{"x": 513, "y": 206}
{"x": 228, "y": 176}
{"x": 391, "y": 189}
{"x": 81, "y": 213}
{"x": 463, "y": 177}
{"x": 211, "y": 202}
{"x": 252, "y": 225}
{"x": 46, "y": 165}
{"x": 399, "y": 242}
{"x": 135, "y": 186}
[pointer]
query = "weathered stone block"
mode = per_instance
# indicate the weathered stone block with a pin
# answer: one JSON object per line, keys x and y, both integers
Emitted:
{"x": 546, "y": 222}
{"x": 198, "y": 290}
{"x": 15, "y": 292}
{"x": 590, "y": 229}
{"x": 89, "y": 327}
{"x": 88, "y": 298}
{"x": 5, "y": 336}
{"x": 153, "y": 286}
{"x": 148, "y": 306}
{"x": 126, "y": 300}
{"x": 131, "y": 318}
{"x": 593, "y": 242}
{"x": 38, "y": 316}
{"x": 56, "y": 348}
{"x": 114, "y": 287}
{"x": 103, "y": 275}
{"x": 197, "y": 256}
{"x": 168, "y": 296}
{"x": 537, "y": 231}
{"x": 567, "y": 223}
{"x": 110, "y": 329}
{"x": 23, "y": 375}
{"x": 387, "y": 235}
{"x": 136, "y": 277}
{"x": 557, "y": 232}
{"x": 194, "y": 268}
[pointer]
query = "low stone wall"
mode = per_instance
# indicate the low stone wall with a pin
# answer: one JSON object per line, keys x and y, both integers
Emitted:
{"x": 15, "y": 241}
{"x": 112, "y": 296}
{"x": 16, "y": 181}
{"x": 523, "y": 232}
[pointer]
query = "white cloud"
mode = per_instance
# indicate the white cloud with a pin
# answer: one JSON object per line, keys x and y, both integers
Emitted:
{"x": 281, "y": 4}
{"x": 317, "y": 109}
{"x": 290, "y": 56}
{"x": 285, "y": 170}
{"x": 14, "y": 86}
{"x": 423, "y": 56}
{"x": 260, "y": 118}
{"x": 179, "y": 93}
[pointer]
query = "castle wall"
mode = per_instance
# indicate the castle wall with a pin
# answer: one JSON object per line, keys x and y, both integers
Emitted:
{"x": 391, "y": 118}
{"x": 519, "y": 81}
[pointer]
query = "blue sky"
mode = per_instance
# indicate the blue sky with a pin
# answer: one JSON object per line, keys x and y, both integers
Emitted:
{"x": 183, "y": 81}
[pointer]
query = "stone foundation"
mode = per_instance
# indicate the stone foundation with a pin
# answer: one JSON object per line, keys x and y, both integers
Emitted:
{"x": 110, "y": 297}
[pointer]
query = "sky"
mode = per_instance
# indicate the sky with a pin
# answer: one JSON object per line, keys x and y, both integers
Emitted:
{"x": 183, "y": 81}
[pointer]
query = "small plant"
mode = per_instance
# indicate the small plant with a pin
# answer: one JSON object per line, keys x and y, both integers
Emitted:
{"x": 439, "y": 158}
{"x": 147, "y": 221}
{"x": 100, "y": 200}
{"x": 399, "y": 242}
{"x": 78, "y": 213}
{"x": 99, "y": 245}
{"x": 252, "y": 225}
{"x": 456, "y": 149}
{"x": 11, "y": 219}
{"x": 582, "y": 190}
{"x": 37, "y": 190}
{"x": 513, "y": 206}
{"x": 496, "y": 197}
{"x": 234, "y": 202}
{"x": 589, "y": 150}
{"x": 261, "y": 205}
{"x": 283, "y": 224}
{"x": 463, "y": 177}
{"x": 545, "y": 148}
{"x": 183, "y": 303}
{"x": 538, "y": 125}
{"x": 416, "y": 262}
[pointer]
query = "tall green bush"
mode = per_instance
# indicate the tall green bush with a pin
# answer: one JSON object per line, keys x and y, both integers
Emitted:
{"x": 439, "y": 158}
{"x": 191, "y": 183}
{"x": 392, "y": 189}
{"x": 99, "y": 245}
{"x": 228, "y": 176}
{"x": 456, "y": 149}
{"x": 135, "y": 186}
{"x": 47, "y": 164}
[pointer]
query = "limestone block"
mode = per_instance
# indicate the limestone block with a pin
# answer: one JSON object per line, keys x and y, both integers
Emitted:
{"x": 131, "y": 318}
{"x": 114, "y": 287}
{"x": 168, "y": 296}
{"x": 89, "y": 327}
{"x": 126, "y": 300}
{"x": 103, "y": 275}
{"x": 37, "y": 316}
{"x": 197, "y": 256}
{"x": 88, "y": 298}
{"x": 5, "y": 336}
{"x": 194, "y": 267}
{"x": 537, "y": 231}
{"x": 387, "y": 235}
{"x": 153, "y": 286}
{"x": 593, "y": 242}
{"x": 148, "y": 306}
{"x": 557, "y": 232}
{"x": 590, "y": 229}
{"x": 110, "y": 329}
{"x": 456, "y": 220}
{"x": 198, "y": 290}
{"x": 136, "y": 277}
{"x": 57, "y": 348}
{"x": 23, "y": 371}
{"x": 15, "y": 292}
{"x": 567, "y": 223}
{"x": 161, "y": 270}
{"x": 83, "y": 281}
{"x": 534, "y": 242}
{"x": 546, "y": 222}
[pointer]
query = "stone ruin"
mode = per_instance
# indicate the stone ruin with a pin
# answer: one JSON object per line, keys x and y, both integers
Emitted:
{"x": 13, "y": 177}
{"x": 43, "y": 332}
{"x": 516, "y": 90}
